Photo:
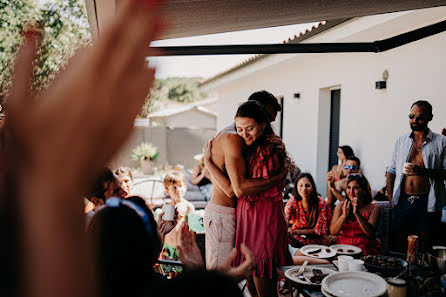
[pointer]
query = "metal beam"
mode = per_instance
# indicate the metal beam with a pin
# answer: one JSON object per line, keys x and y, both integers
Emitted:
{"x": 288, "y": 48}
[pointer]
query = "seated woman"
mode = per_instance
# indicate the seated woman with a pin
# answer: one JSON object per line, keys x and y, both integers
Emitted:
{"x": 202, "y": 178}
{"x": 307, "y": 214}
{"x": 356, "y": 219}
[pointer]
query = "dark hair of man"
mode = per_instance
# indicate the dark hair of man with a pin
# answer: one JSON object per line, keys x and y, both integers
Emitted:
{"x": 356, "y": 159}
{"x": 126, "y": 252}
{"x": 314, "y": 199}
{"x": 266, "y": 98}
{"x": 105, "y": 178}
{"x": 423, "y": 103}
{"x": 366, "y": 197}
{"x": 347, "y": 150}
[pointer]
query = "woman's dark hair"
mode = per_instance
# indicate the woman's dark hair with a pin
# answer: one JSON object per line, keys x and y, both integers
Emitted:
{"x": 125, "y": 250}
{"x": 100, "y": 185}
{"x": 256, "y": 111}
{"x": 314, "y": 199}
{"x": 347, "y": 150}
{"x": 363, "y": 183}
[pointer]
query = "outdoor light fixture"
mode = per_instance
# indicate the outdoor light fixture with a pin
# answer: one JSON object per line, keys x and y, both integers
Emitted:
{"x": 382, "y": 84}
{"x": 296, "y": 95}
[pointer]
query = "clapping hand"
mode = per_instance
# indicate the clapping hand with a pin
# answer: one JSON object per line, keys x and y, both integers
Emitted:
{"x": 346, "y": 208}
{"x": 330, "y": 179}
{"x": 354, "y": 203}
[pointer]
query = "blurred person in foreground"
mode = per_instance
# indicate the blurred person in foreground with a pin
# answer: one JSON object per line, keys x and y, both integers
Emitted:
{"x": 49, "y": 171}
{"x": 129, "y": 241}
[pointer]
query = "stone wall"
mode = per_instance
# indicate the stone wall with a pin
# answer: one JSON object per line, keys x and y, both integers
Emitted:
{"x": 175, "y": 145}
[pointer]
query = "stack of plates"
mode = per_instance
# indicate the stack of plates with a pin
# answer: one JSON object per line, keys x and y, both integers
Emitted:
{"x": 354, "y": 284}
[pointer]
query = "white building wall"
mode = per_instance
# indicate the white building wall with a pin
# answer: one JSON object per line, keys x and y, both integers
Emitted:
{"x": 370, "y": 119}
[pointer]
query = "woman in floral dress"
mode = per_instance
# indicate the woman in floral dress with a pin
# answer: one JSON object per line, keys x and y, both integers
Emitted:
{"x": 307, "y": 214}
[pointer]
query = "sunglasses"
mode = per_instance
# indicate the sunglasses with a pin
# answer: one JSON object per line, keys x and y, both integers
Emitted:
{"x": 420, "y": 117}
{"x": 346, "y": 167}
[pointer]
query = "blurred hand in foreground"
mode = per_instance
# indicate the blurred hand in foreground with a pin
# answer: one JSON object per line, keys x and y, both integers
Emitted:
{"x": 64, "y": 135}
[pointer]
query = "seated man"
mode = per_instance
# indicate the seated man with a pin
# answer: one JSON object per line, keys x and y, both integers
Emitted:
{"x": 336, "y": 189}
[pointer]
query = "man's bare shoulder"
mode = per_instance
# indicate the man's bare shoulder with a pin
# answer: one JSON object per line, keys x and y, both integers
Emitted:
{"x": 230, "y": 138}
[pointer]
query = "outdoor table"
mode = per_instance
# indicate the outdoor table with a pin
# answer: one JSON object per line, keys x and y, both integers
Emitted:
{"x": 305, "y": 290}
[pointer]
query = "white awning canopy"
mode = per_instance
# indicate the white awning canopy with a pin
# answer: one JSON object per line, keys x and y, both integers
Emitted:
{"x": 198, "y": 17}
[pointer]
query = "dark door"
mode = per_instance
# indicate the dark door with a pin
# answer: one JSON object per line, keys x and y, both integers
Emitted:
{"x": 280, "y": 117}
{"x": 334, "y": 128}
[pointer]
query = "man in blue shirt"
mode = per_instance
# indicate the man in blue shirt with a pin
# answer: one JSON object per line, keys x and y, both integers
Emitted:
{"x": 415, "y": 180}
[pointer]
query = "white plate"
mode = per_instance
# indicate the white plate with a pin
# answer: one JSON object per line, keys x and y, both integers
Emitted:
{"x": 345, "y": 247}
{"x": 308, "y": 272}
{"x": 354, "y": 284}
{"x": 325, "y": 293}
{"x": 322, "y": 254}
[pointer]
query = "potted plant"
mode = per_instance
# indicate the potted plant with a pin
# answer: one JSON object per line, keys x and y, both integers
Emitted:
{"x": 146, "y": 153}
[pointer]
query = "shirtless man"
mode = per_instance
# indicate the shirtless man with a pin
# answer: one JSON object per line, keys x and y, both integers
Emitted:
{"x": 226, "y": 155}
{"x": 417, "y": 193}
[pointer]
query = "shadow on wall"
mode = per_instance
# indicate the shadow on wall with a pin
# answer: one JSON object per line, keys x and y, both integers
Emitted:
{"x": 175, "y": 145}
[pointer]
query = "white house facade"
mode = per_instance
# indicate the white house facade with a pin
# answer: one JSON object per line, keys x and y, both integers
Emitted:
{"x": 369, "y": 119}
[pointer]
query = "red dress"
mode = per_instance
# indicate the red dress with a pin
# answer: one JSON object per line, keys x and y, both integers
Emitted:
{"x": 295, "y": 216}
{"x": 352, "y": 233}
{"x": 261, "y": 224}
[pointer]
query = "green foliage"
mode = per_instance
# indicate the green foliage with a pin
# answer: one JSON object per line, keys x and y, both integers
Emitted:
{"x": 179, "y": 89}
{"x": 145, "y": 151}
{"x": 65, "y": 27}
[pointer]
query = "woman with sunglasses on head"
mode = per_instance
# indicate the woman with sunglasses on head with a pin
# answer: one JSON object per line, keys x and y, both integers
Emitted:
{"x": 336, "y": 189}
{"x": 344, "y": 151}
{"x": 356, "y": 219}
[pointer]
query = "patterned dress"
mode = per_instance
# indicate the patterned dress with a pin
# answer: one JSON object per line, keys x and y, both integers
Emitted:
{"x": 352, "y": 233}
{"x": 261, "y": 224}
{"x": 296, "y": 217}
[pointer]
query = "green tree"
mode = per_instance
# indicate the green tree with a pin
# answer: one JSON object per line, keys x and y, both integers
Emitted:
{"x": 183, "y": 92}
{"x": 65, "y": 27}
{"x": 180, "y": 89}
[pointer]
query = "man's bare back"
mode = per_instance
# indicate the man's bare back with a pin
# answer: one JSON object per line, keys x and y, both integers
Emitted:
{"x": 416, "y": 184}
{"x": 227, "y": 136}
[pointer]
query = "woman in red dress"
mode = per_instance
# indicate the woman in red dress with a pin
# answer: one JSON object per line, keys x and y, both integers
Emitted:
{"x": 356, "y": 218}
{"x": 261, "y": 224}
{"x": 307, "y": 213}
